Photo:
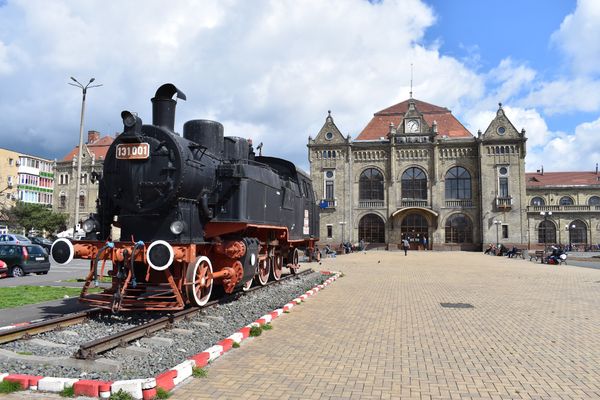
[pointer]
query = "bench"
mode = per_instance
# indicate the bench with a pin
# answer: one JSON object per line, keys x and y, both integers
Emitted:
{"x": 538, "y": 255}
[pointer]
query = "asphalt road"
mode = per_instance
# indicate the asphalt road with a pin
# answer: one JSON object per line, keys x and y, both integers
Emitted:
{"x": 76, "y": 269}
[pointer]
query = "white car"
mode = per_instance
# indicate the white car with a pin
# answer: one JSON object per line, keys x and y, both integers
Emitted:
{"x": 11, "y": 238}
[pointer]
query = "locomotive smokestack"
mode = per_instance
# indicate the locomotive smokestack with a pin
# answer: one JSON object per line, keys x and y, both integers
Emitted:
{"x": 163, "y": 106}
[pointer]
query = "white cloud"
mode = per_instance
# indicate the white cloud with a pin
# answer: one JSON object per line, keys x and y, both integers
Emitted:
{"x": 578, "y": 37}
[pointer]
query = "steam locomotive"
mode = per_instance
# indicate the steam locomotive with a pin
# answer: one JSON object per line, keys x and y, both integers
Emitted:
{"x": 195, "y": 213}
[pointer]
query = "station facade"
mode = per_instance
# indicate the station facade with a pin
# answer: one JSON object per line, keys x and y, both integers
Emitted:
{"x": 416, "y": 172}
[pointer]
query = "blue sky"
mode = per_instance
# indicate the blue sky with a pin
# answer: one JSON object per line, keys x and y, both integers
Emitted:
{"x": 270, "y": 69}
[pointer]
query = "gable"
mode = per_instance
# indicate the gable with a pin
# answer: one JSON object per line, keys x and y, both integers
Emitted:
{"x": 329, "y": 133}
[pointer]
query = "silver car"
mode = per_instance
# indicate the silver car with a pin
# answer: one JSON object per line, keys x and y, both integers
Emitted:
{"x": 12, "y": 238}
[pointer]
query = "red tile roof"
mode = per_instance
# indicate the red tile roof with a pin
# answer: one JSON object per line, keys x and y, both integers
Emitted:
{"x": 379, "y": 125}
{"x": 99, "y": 148}
{"x": 537, "y": 180}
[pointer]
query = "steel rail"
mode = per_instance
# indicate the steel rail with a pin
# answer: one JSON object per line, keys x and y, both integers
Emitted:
{"x": 48, "y": 325}
{"x": 91, "y": 349}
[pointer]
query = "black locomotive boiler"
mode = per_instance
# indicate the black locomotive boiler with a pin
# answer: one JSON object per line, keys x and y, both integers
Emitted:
{"x": 194, "y": 212}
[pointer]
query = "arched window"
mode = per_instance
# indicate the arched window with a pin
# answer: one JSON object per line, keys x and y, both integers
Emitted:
{"x": 566, "y": 201}
{"x": 371, "y": 229}
{"x": 547, "y": 232}
{"x": 594, "y": 201}
{"x": 81, "y": 200}
{"x": 63, "y": 200}
{"x": 458, "y": 183}
{"x": 459, "y": 229}
{"x": 414, "y": 184}
{"x": 370, "y": 185}
{"x": 577, "y": 232}
{"x": 538, "y": 201}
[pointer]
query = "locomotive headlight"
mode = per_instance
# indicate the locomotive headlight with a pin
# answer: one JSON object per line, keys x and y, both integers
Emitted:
{"x": 177, "y": 227}
{"x": 89, "y": 225}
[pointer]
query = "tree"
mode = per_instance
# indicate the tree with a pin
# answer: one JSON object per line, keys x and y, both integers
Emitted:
{"x": 36, "y": 216}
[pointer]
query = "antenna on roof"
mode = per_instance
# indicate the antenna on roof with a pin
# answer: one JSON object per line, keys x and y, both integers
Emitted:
{"x": 411, "y": 79}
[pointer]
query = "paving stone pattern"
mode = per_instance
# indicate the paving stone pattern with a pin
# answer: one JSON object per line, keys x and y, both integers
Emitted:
{"x": 380, "y": 333}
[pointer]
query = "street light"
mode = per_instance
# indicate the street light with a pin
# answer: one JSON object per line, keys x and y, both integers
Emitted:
{"x": 570, "y": 229}
{"x": 497, "y": 223}
{"x": 545, "y": 215}
{"x": 79, "y": 156}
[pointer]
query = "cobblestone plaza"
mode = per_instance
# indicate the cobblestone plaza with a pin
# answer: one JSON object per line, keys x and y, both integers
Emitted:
{"x": 381, "y": 332}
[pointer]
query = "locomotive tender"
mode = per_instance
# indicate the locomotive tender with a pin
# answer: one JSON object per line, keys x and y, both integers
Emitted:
{"x": 194, "y": 212}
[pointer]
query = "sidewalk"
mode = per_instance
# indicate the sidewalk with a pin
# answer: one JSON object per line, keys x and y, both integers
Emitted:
{"x": 380, "y": 332}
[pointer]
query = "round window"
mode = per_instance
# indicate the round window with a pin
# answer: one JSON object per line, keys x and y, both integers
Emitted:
{"x": 329, "y": 136}
{"x": 501, "y": 130}
{"x": 329, "y": 174}
{"x": 503, "y": 170}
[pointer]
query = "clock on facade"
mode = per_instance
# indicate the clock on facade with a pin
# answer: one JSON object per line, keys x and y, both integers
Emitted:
{"x": 412, "y": 126}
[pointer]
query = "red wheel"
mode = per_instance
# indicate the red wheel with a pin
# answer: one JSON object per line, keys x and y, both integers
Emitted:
{"x": 276, "y": 267}
{"x": 247, "y": 285}
{"x": 295, "y": 258}
{"x": 264, "y": 268}
{"x": 199, "y": 281}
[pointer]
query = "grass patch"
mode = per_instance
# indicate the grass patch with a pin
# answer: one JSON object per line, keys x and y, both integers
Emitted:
{"x": 67, "y": 392}
{"x": 162, "y": 393}
{"x": 25, "y": 353}
{"x": 21, "y": 295}
{"x": 121, "y": 395}
{"x": 199, "y": 372}
{"x": 267, "y": 327}
{"x": 255, "y": 331}
{"x": 235, "y": 345}
{"x": 9, "y": 387}
{"x": 104, "y": 279}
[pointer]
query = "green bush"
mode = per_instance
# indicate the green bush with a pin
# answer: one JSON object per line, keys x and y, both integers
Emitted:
{"x": 9, "y": 387}
{"x": 121, "y": 395}
{"x": 255, "y": 331}
{"x": 199, "y": 372}
{"x": 67, "y": 392}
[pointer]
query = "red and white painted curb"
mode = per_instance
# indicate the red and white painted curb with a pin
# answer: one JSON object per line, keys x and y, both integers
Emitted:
{"x": 146, "y": 388}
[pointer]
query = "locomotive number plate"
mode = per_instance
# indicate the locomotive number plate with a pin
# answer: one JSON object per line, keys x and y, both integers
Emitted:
{"x": 133, "y": 151}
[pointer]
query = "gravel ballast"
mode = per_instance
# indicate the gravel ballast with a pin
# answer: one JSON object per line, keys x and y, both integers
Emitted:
{"x": 151, "y": 356}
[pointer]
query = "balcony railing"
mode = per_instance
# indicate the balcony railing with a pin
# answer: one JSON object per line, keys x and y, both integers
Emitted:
{"x": 327, "y": 203}
{"x": 370, "y": 204}
{"x": 459, "y": 203}
{"x": 504, "y": 202}
{"x": 572, "y": 208}
{"x": 413, "y": 203}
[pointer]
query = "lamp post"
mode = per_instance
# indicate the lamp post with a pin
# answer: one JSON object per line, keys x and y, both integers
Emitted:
{"x": 497, "y": 223}
{"x": 545, "y": 215}
{"x": 80, "y": 153}
{"x": 570, "y": 229}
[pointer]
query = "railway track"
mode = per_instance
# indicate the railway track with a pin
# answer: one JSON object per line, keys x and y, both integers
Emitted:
{"x": 92, "y": 349}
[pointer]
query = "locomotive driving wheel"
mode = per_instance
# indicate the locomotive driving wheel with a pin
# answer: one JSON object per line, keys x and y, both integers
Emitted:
{"x": 295, "y": 260}
{"x": 247, "y": 285}
{"x": 276, "y": 266}
{"x": 264, "y": 268}
{"x": 199, "y": 281}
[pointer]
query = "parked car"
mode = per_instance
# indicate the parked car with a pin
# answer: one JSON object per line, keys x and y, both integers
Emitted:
{"x": 45, "y": 243}
{"x": 22, "y": 259}
{"x": 13, "y": 238}
{"x": 3, "y": 269}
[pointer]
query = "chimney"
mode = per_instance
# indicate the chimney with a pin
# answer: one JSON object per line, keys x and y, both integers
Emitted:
{"x": 93, "y": 136}
{"x": 163, "y": 106}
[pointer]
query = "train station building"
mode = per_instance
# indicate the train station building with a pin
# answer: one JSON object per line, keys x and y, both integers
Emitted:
{"x": 416, "y": 172}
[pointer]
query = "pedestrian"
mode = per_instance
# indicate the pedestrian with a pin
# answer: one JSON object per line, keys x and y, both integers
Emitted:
{"x": 405, "y": 246}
